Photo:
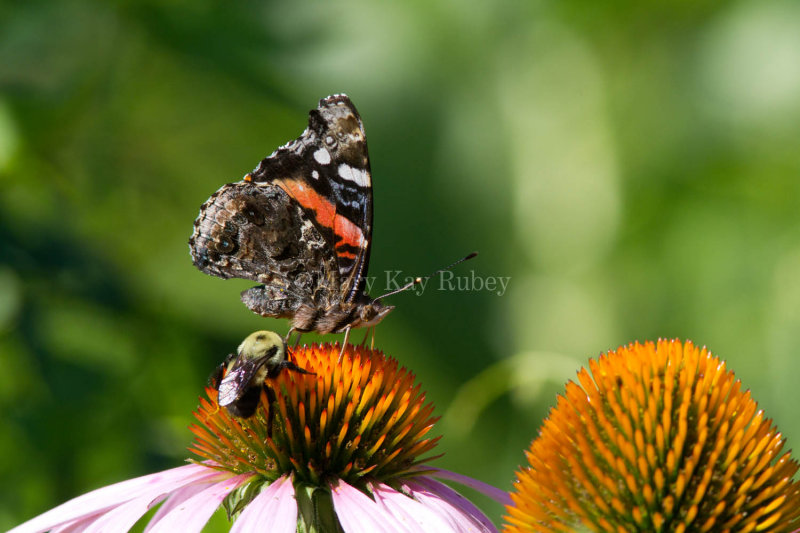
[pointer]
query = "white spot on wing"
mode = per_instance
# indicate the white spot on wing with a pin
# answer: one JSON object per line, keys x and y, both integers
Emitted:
{"x": 322, "y": 156}
{"x": 356, "y": 175}
{"x": 315, "y": 174}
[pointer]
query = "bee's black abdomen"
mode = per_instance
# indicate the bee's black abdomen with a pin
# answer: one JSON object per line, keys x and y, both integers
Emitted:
{"x": 246, "y": 405}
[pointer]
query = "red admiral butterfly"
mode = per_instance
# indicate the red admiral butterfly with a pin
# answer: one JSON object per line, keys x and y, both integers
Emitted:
{"x": 301, "y": 224}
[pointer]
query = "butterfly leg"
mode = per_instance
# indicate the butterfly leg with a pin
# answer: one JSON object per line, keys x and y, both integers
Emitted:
{"x": 288, "y": 336}
{"x": 344, "y": 343}
{"x": 370, "y": 331}
{"x": 366, "y": 334}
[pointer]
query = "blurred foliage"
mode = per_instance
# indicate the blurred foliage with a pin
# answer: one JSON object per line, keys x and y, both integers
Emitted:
{"x": 634, "y": 168}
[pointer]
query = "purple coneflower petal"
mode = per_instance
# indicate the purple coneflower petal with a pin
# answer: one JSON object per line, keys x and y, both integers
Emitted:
{"x": 175, "y": 499}
{"x": 500, "y": 496}
{"x": 90, "y": 506}
{"x": 124, "y": 516}
{"x": 274, "y": 510}
{"x": 195, "y": 511}
{"x": 439, "y": 496}
{"x": 410, "y": 514}
{"x": 76, "y": 525}
{"x": 358, "y": 513}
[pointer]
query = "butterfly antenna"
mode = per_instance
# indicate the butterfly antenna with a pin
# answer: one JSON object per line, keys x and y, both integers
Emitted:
{"x": 417, "y": 281}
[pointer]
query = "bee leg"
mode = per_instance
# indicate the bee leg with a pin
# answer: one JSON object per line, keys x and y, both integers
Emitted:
{"x": 291, "y": 366}
{"x": 271, "y": 400}
{"x": 216, "y": 376}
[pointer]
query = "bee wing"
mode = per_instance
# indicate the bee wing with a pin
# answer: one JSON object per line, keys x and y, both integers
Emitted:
{"x": 237, "y": 380}
{"x": 216, "y": 376}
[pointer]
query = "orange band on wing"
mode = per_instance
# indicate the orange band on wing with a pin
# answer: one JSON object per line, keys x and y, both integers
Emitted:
{"x": 345, "y": 253}
{"x": 308, "y": 198}
{"x": 325, "y": 213}
{"x": 349, "y": 233}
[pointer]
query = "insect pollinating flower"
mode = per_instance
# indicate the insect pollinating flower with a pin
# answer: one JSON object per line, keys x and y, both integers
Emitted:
{"x": 301, "y": 224}
{"x": 656, "y": 437}
{"x": 241, "y": 377}
{"x": 346, "y": 450}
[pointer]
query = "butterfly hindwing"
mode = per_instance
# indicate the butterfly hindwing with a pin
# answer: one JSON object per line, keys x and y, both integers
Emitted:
{"x": 255, "y": 231}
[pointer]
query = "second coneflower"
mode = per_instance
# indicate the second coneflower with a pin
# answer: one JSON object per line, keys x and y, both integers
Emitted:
{"x": 656, "y": 437}
{"x": 346, "y": 451}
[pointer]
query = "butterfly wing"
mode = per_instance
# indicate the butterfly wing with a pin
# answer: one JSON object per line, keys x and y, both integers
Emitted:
{"x": 326, "y": 171}
{"x": 255, "y": 231}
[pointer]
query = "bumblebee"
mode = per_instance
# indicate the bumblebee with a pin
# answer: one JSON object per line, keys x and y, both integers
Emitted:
{"x": 240, "y": 378}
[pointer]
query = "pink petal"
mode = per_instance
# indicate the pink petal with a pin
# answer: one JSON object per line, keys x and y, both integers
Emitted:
{"x": 123, "y": 517}
{"x": 76, "y": 526}
{"x": 195, "y": 511}
{"x": 93, "y": 503}
{"x": 409, "y": 513}
{"x": 174, "y": 500}
{"x": 358, "y": 513}
{"x": 273, "y": 510}
{"x": 437, "y": 495}
{"x": 500, "y": 496}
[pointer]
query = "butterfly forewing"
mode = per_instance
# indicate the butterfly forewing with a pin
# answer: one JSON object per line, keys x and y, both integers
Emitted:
{"x": 327, "y": 172}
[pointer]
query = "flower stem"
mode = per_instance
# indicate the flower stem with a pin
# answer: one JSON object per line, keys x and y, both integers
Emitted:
{"x": 315, "y": 510}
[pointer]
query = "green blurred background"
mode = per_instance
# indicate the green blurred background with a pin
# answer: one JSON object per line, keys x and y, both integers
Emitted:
{"x": 633, "y": 167}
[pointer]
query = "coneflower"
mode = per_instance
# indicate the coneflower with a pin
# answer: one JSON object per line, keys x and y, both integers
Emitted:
{"x": 347, "y": 450}
{"x": 656, "y": 437}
